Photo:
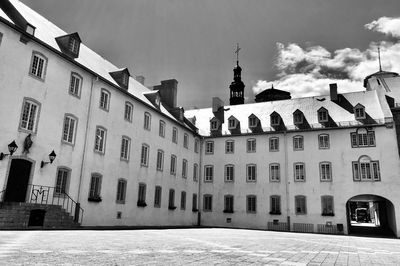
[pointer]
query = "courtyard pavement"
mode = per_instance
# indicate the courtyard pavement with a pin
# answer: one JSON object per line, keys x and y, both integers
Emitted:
{"x": 193, "y": 247}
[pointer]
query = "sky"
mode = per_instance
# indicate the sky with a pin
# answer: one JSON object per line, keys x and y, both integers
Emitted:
{"x": 297, "y": 45}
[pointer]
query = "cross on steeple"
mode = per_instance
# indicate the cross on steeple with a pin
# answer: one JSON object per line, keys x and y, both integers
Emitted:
{"x": 237, "y": 53}
{"x": 379, "y": 57}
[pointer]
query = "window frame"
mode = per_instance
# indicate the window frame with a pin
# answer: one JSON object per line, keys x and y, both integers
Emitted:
{"x": 298, "y": 118}
{"x": 172, "y": 166}
{"x": 209, "y": 147}
{"x": 325, "y": 204}
{"x": 128, "y": 116}
{"x": 34, "y": 129}
{"x": 296, "y": 177}
{"x": 253, "y": 121}
{"x": 232, "y": 178}
{"x": 230, "y": 142}
{"x": 97, "y": 190}
{"x": 144, "y": 160}
{"x": 107, "y": 102}
{"x": 71, "y": 117}
{"x": 229, "y": 206}
{"x": 297, "y": 200}
{"x": 275, "y": 207}
{"x": 251, "y": 145}
{"x": 121, "y": 192}
{"x": 195, "y": 172}
{"x": 272, "y": 148}
{"x": 184, "y": 168}
{"x": 321, "y": 172}
{"x": 321, "y": 141}
{"x": 271, "y": 176}
{"x": 358, "y": 137}
{"x": 254, "y": 178}
{"x": 207, "y": 198}
{"x": 160, "y": 162}
{"x": 370, "y": 166}
{"x": 232, "y": 121}
{"x": 207, "y": 177}
{"x": 161, "y": 128}
{"x": 171, "y": 199}
{"x": 183, "y": 200}
{"x": 249, "y": 204}
{"x": 357, "y": 114}
{"x": 42, "y": 75}
{"x": 298, "y": 138}
{"x": 214, "y": 124}
{"x": 128, "y": 148}
{"x": 141, "y": 198}
{"x": 75, "y": 75}
{"x": 174, "y": 135}
{"x": 157, "y": 196}
{"x": 275, "y": 120}
{"x": 104, "y": 141}
{"x": 147, "y": 121}
{"x": 58, "y": 190}
{"x": 323, "y": 115}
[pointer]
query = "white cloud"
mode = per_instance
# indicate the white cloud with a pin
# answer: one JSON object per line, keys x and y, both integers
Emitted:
{"x": 309, "y": 71}
{"x": 386, "y": 25}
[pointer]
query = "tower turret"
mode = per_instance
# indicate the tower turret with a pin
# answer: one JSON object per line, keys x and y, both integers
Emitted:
{"x": 237, "y": 85}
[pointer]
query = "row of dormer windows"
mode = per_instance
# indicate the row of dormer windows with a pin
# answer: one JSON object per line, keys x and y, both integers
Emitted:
{"x": 275, "y": 118}
{"x": 360, "y": 138}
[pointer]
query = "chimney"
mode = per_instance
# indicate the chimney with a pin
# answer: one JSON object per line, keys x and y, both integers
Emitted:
{"x": 140, "y": 79}
{"x": 168, "y": 91}
{"x": 218, "y": 108}
{"x": 333, "y": 91}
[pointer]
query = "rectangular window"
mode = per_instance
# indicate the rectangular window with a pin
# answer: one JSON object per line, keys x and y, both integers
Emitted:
{"x": 366, "y": 171}
{"x": 299, "y": 172}
{"x": 125, "y": 148}
{"x": 38, "y": 65}
{"x": 323, "y": 141}
{"x": 209, "y": 147}
{"x": 228, "y": 204}
{"x": 297, "y": 118}
{"x": 273, "y": 144}
{"x": 229, "y": 146}
{"x": 275, "y": 207}
{"x": 274, "y": 172}
{"x": 251, "y": 173}
{"x": 128, "y": 112}
{"x": 95, "y": 186}
{"x": 62, "y": 181}
{"x": 251, "y": 145}
{"x": 186, "y": 140}
{"x": 142, "y": 193}
{"x": 104, "y": 100}
{"x": 29, "y": 115}
{"x": 147, "y": 121}
{"x": 208, "y": 173}
{"x": 325, "y": 171}
{"x": 121, "y": 191}
{"x": 73, "y": 45}
{"x": 69, "y": 129}
{"x": 161, "y": 130}
{"x": 194, "y": 202}
{"x": 75, "y": 85}
{"x": 196, "y": 146}
{"x": 144, "y": 157}
{"x": 214, "y": 125}
{"x": 322, "y": 116}
{"x": 300, "y": 205}
{"x": 173, "y": 165}
{"x": 160, "y": 160}
{"x": 207, "y": 203}
{"x": 171, "y": 199}
{"x": 327, "y": 205}
{"x": 253, "y": 121}
{"x": 195, "y": 172}
{"x": 275, "y": 119}
{"x": 157, "y": 197}
{"x": 231, "y": 124}
{"x": 362, "y": 138}
{"x": 251, "y": 204}
{"x": 184, "y": 168}
{"x": 229, "y": 173}
{"x": 298, "y": 143}
{"x": 174, "y": 135}
{"x": 183, "y": 200}
{"x": 100, "y": 141}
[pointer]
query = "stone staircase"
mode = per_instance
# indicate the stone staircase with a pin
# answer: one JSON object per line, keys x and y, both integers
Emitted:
{"x": 21, "y": 215}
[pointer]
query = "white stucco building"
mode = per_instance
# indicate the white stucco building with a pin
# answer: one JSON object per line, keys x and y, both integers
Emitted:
{"x": 128, "y": 156}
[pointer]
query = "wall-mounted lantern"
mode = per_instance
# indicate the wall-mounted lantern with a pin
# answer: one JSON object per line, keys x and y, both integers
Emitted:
{"x": 52, "y": 156}
{"x": 12, "y": 147}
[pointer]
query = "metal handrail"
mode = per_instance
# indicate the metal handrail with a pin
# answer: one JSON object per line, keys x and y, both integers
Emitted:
{"x": 40, "y": 194}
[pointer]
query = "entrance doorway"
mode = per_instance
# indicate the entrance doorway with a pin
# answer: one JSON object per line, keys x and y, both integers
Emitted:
{"x": 370, "y": 215}
{"x": 18, "y": 179}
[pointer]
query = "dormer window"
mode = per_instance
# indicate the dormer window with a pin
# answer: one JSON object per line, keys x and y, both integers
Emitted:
{"x": 214, "y": 125}
{"x": 232, "y": 123}
{"x": 73, "y": 45}
{"x": 297, "y": 117}
{"x": 275, "y": 119}
{"x": 69, "y": 44}
{"x": 121, "y": 76}
{"x": 322, "y": 115}
{"x": 30, "y": 29}
{"x": 253, "y": 121}
{"x": 359, "y": 111}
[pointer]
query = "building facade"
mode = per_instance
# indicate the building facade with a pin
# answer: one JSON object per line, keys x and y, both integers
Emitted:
{"x": 128, "y": 156}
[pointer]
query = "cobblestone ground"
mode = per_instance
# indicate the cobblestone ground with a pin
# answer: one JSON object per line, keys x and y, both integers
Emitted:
{"x": 193, "y": 247}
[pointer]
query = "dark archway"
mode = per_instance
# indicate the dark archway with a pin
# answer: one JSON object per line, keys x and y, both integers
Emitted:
{"x": 36, "y": 217}
{"x": 18, "y": 179}
{"x": 369, "y": 214}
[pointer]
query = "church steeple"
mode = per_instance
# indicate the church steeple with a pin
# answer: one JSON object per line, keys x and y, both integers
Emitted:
{"x": 237, "y": 86}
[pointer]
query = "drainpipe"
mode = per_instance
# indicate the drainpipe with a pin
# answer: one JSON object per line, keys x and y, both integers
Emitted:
{"x": 286, "y": 179}
{"x": 85, "y": 141}
{"x": 199, "y": 180}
